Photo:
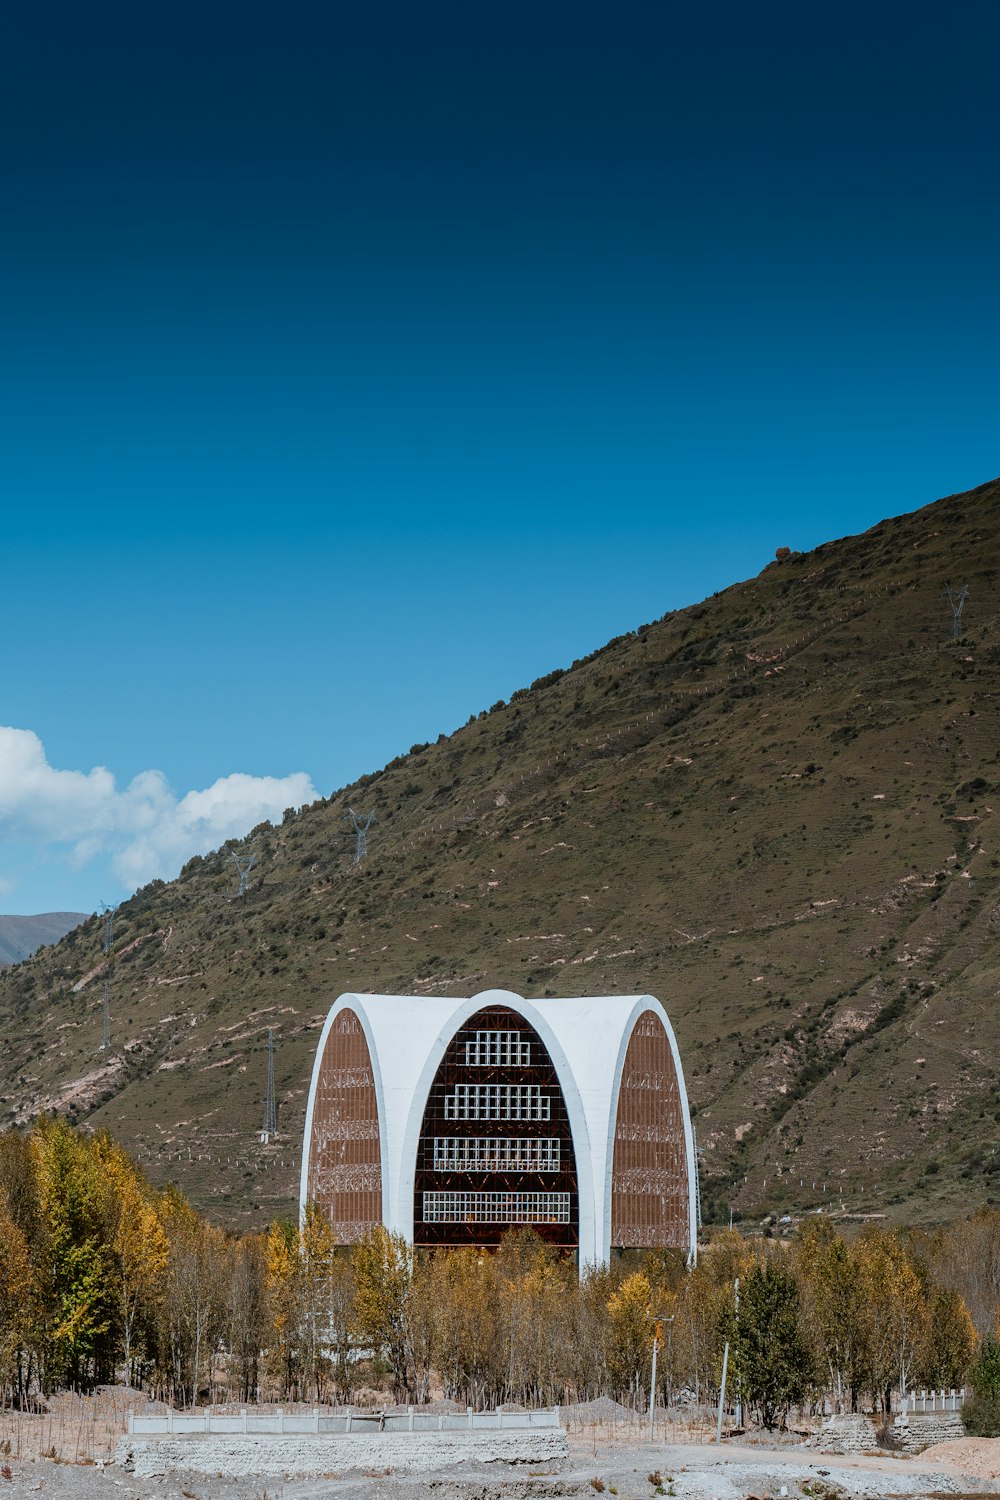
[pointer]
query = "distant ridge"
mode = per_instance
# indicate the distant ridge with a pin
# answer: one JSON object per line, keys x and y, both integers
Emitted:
{"x": 20, "y": 937}
{"x": 777, "y": 810}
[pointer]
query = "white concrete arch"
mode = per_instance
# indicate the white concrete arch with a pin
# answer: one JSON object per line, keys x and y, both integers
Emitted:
{"x": 586, "y": 1038}
{"x": 644, "y": 1003}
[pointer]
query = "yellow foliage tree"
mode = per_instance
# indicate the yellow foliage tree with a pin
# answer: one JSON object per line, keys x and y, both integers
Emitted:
{"x": 17, "y": 1300}
{"x": 140, "y": 1249}
{"x": 630, "y": 1335}
{"x": 891, "y": 1312}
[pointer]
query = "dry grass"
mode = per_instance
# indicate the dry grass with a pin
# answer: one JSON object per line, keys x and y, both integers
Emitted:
{"x": 73, "y": 1429}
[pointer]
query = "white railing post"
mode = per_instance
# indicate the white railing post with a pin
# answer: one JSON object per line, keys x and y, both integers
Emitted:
{"x": 409, "y": 1419}
{"x": 348, "y": 1426}
{"x": 468, "y": 1412}
{"x": 316, "y": 1419}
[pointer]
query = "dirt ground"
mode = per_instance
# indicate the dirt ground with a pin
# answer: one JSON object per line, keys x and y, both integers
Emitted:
{"x": 627, "y": 1471}
{"x": 65, "y": 1454}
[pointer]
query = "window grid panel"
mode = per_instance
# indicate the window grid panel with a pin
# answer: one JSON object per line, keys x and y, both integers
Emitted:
{"x": 496, "y": 1208}
{"x": 478, "y": 1153}
{"x": 497, "y": 1049}
{"x": 497, "y": 1101}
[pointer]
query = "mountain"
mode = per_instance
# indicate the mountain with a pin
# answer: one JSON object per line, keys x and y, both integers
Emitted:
{"x": 22, "y": 936}
{"x": 775, "y": 810}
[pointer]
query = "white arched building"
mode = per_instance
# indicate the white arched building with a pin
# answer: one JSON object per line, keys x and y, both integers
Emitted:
{"x": 454, "y": 1121}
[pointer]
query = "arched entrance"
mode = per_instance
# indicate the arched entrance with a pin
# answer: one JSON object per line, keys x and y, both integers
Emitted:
{"x": 496, "y": 1150}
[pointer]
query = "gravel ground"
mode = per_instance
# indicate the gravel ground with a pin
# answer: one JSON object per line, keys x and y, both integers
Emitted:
{"x": 689, "y": 1472}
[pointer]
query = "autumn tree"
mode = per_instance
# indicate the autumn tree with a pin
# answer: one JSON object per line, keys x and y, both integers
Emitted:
{"x": 72, "y": 1202}
{"x": 192, "y": 1316}
{"x": 770, "y": 1356}
{"x": 17, "y": 1299}
{"x": 829, "y": 1313}
{"x": 630, "y": 1335}
{"x": 139, "y": 1252}
{"x": 383, "y": 1271}
{"x": 282, "y": 1289}
{"x": 981, "y": 1415}
{"x": 949, "y": 1342}
{"x": 966, "y": 1259}
{"x": 892, "y": 1312}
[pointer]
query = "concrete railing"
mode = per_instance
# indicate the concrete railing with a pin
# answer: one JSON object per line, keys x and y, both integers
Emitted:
{"x": 327, "y": 1423}
{"x": 921, "y": 1402}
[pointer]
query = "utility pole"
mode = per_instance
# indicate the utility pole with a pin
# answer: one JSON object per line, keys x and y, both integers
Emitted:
{"x": 722, "y": 1392}
{"x": 725, "y": 1369}
{"x": 697, "y": 1176}
{"x": 652, "y": 1379}
{"x": 736, "y": 1324}
{"x": 670, "y": 1359}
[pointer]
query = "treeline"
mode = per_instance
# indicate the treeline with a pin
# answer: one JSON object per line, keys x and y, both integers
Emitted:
{"x": 103, "y": 1278}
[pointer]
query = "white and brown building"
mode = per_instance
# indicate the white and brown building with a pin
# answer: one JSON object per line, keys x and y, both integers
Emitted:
{"x": 454, "y": 1121}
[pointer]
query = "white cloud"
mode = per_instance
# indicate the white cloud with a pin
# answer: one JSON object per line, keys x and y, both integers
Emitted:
{"x": 145, "y": 829}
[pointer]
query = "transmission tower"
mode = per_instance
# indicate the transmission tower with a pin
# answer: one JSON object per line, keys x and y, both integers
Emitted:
{"x": 956, "y": 598}
{"x": 360, "y": 822}
{"x": 108, "y": 912}
{"x": 106, "y": 1029}
{"x": 270, "y": 1126}
{"x": 244, "y": 863}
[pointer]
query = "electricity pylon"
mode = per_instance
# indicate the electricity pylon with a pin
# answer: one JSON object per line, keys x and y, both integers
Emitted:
{"x": 270, "y": 1126}
{"x": 956, "y": 598}
{"x": 360, "y": 822}
{"x": 244, "y": 863}
{"x": 106, "y": 1029}
{"x": 108, "y": 912}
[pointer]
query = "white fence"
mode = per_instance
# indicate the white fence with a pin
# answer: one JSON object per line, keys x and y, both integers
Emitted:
{"x": 319, "y": 1420}
{"x": 920, "y": 1402}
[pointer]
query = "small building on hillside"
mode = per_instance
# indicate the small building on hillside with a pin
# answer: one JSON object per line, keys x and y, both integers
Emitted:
{"x": 455, "y": 1121}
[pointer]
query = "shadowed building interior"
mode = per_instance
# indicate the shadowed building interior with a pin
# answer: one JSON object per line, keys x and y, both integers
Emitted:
{"x": 453, "y": 1122}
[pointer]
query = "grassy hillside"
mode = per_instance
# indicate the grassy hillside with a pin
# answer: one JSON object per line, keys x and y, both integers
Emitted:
{"x": 774, "y": 810}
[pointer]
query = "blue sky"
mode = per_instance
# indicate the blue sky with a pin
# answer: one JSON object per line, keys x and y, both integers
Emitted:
{"x": 359, "y": 364}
